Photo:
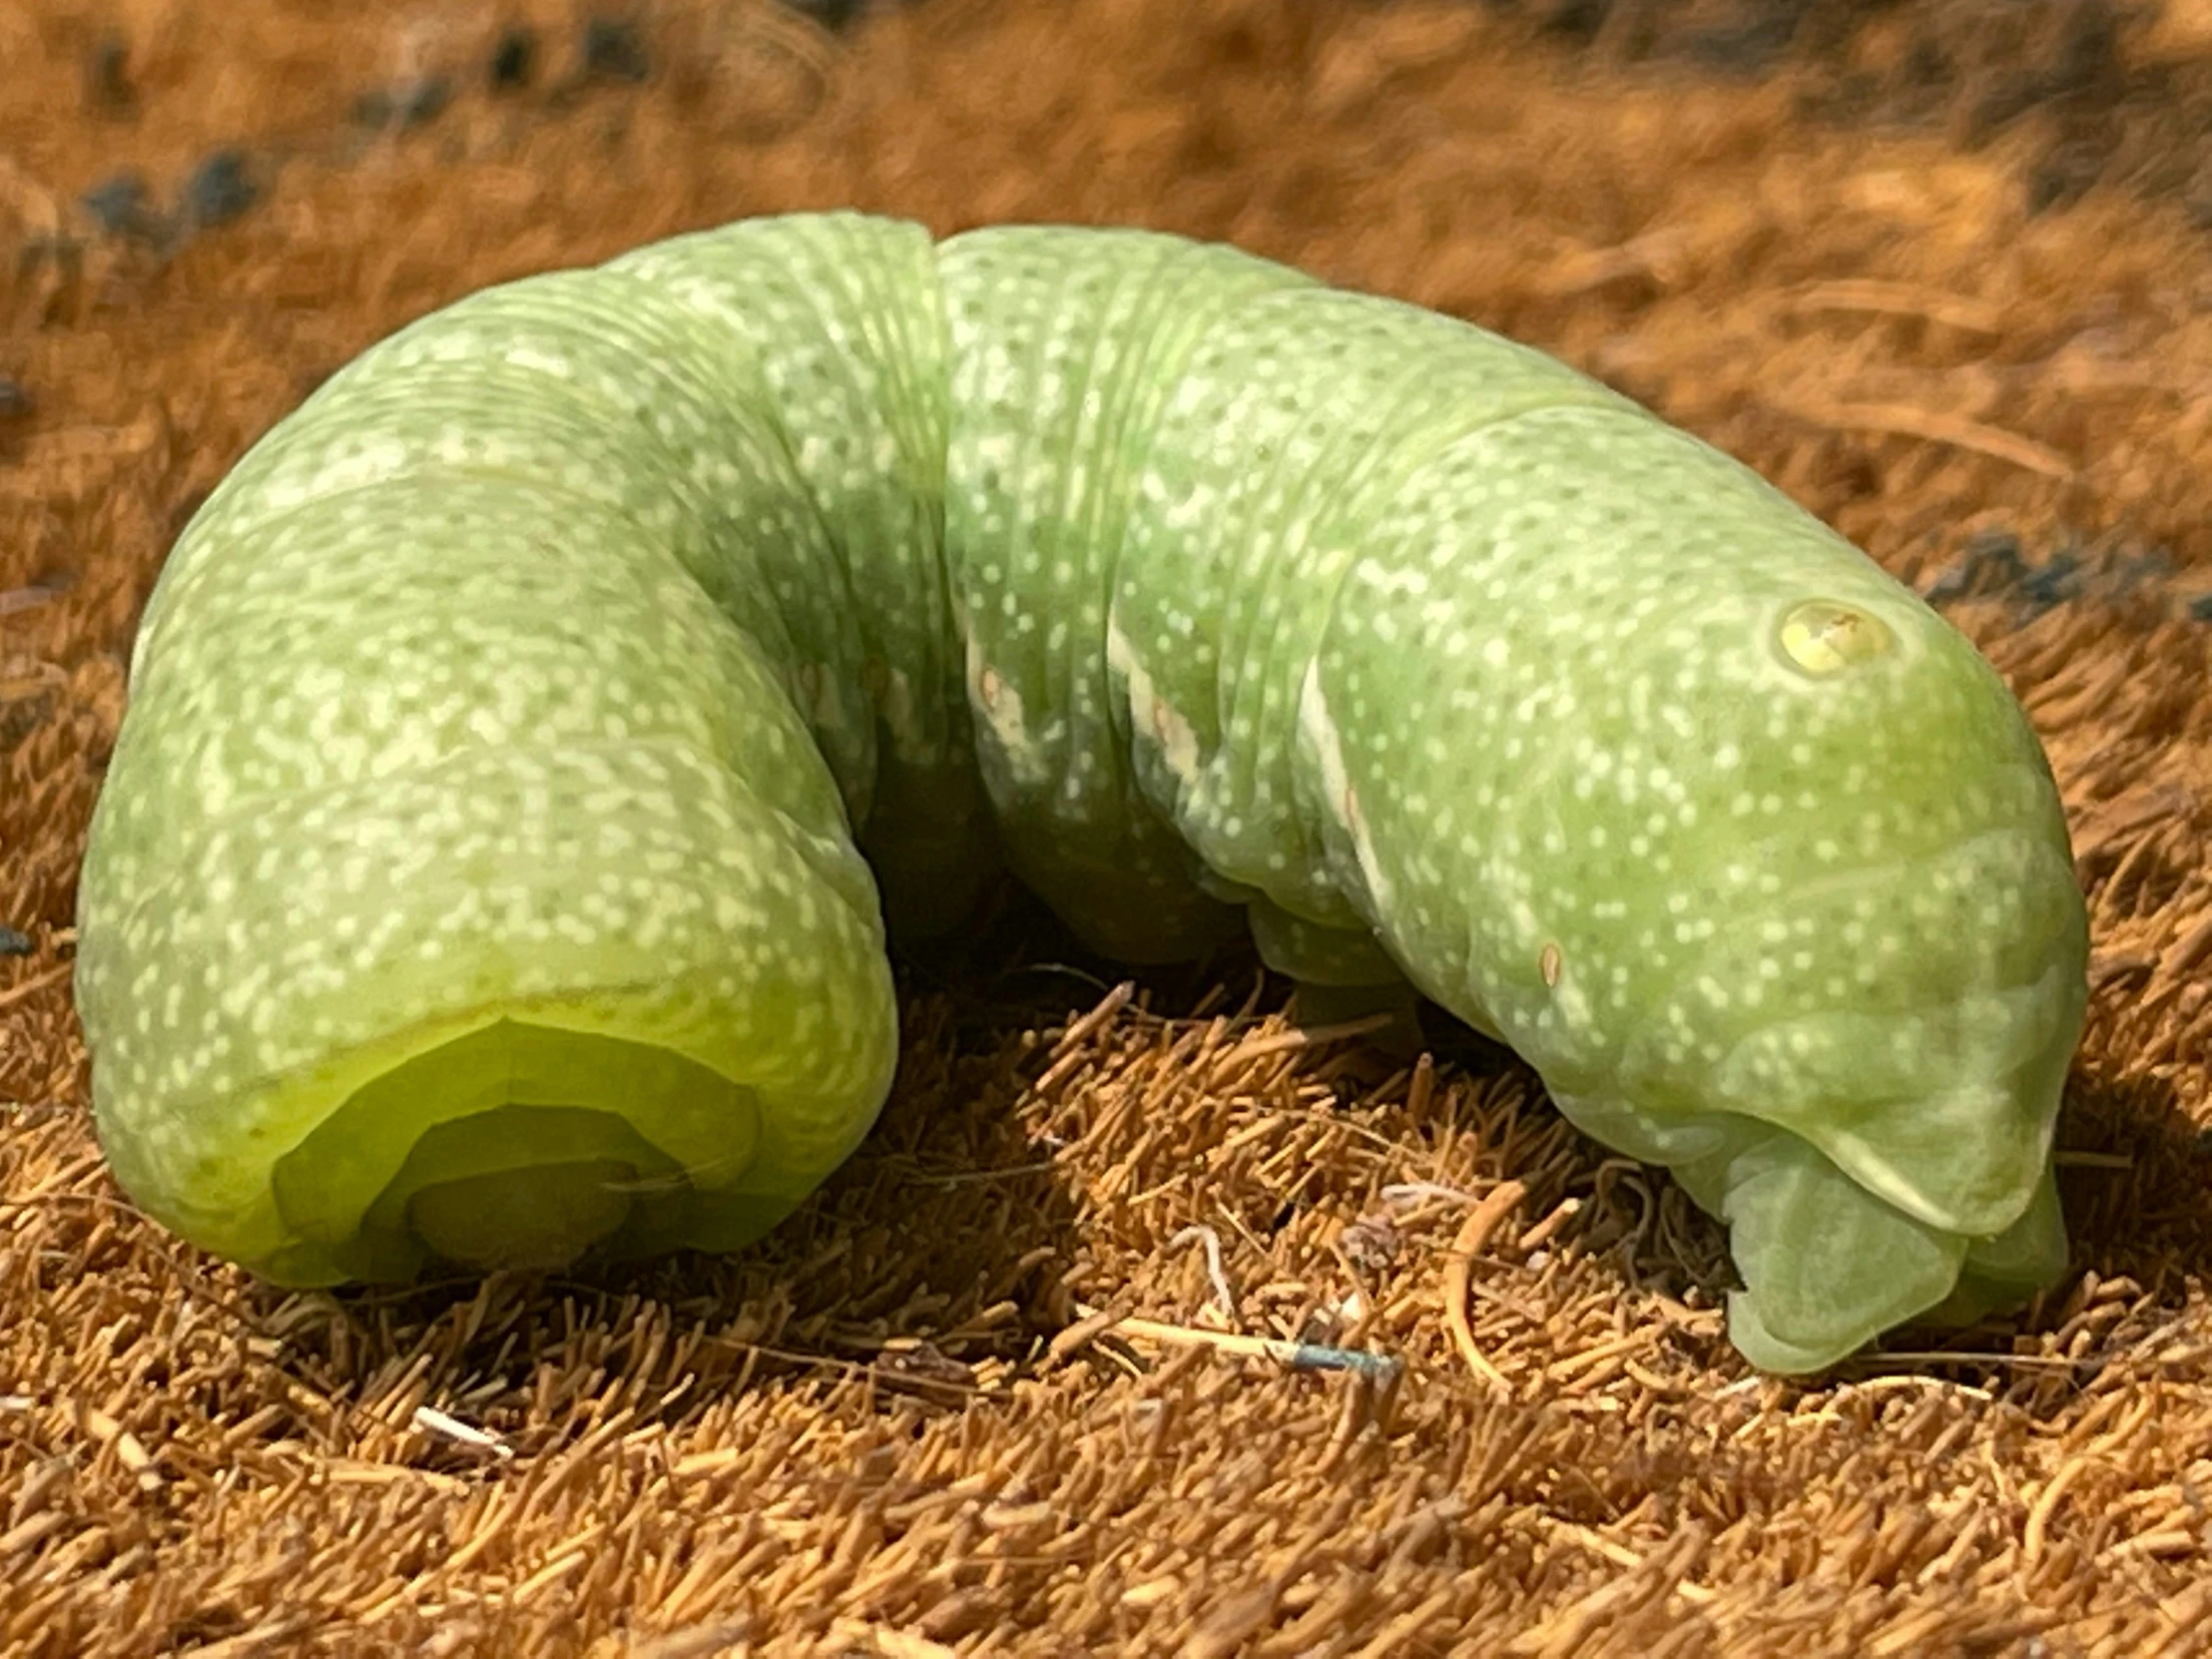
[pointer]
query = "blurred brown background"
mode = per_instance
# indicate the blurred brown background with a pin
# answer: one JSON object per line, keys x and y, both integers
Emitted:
{"x": 1943, "y": 270}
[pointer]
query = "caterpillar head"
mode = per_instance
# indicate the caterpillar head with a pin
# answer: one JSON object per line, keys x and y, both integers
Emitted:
{"x": 1852, "y": 1008}
{"x": 1745, "y": 848}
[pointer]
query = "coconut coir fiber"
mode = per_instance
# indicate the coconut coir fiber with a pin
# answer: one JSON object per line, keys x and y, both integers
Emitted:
{"x": 1943, "y": 270}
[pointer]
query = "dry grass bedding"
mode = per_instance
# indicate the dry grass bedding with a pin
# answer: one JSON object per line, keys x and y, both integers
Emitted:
{"x": 1028, "y": 1377}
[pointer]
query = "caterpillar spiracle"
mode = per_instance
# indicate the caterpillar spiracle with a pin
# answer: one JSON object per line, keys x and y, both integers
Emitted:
{"x": 531, "y": 734}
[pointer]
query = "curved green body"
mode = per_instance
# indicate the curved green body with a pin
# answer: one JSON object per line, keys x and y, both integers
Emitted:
{"x": 531, "y": 733}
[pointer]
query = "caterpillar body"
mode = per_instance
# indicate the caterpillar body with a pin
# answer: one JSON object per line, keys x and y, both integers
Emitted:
{"x": 532, "y": 733}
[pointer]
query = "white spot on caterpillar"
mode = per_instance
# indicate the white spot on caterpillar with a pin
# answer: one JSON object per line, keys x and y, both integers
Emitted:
{"x": 1382, "y": 579}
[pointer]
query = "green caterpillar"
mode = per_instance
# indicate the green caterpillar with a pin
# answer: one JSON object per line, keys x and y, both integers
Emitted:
{"x": 480, "y": 872}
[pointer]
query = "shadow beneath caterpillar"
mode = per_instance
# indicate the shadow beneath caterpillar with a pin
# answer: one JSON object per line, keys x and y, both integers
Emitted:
{"x": 2134, "y": 1177}
{"x": 932, "y": 1264}
{"x": 2135, "y": 1172}
{"x": 1019, "y": 1177}
{"x": 940, "y": 1245}
{"x": 934, "y": 1255}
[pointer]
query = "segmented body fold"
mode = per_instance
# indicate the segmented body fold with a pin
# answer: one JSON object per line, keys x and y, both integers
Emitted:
{"x": 480, "y": 872}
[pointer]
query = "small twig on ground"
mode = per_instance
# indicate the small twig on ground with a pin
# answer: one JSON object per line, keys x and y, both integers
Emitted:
{"x": 1903, "y": 421}
{"x": 1297, "y": 1355}
{"x": 1481, "y": 1222}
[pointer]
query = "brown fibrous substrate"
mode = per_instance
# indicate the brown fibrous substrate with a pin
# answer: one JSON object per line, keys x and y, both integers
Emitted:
{"x": 1016, "y": 1383}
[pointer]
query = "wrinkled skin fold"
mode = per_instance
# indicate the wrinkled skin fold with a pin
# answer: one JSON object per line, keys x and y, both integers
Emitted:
{"x": 533, "y": 734}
